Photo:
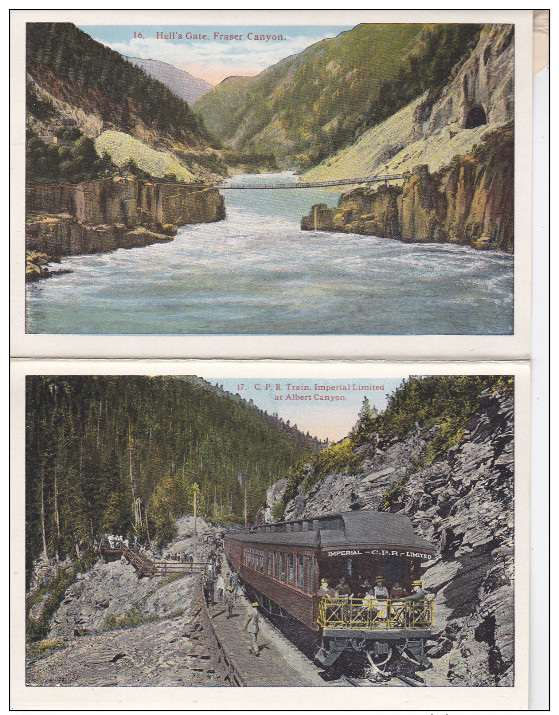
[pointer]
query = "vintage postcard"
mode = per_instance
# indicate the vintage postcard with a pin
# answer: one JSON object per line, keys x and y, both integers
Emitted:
{"x": 265, "y": 527}
{"x": 260, "y": 184}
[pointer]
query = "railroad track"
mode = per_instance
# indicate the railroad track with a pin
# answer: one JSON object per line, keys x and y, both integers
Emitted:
{"x": 367, "y": 682}
{"x": 209, "y": 655}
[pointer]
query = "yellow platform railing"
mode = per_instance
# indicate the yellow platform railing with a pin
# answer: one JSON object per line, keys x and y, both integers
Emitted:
{"x": 374, "y": 614}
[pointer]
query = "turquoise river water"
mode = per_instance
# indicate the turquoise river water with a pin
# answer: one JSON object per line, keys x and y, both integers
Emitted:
{"x": 258, "y": 273}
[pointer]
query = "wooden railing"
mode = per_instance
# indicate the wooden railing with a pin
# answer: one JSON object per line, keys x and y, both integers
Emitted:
{"x": 374, "y": 614}
{"x": 148, "y": 567}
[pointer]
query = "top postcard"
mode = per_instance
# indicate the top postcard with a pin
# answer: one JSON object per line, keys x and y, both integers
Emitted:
{"x": 279, "y": 183}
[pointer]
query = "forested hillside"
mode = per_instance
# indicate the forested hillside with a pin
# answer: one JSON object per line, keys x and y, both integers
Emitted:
{"x": 97, "y": 444}
{"x": 66, "y": 59}
{"x": 310, "y": 105}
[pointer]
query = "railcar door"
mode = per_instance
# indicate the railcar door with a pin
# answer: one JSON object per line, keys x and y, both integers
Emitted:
{"x": 394, "y": 569}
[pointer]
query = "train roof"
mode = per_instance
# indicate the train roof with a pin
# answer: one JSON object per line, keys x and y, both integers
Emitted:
{"x": 350, "y": 529}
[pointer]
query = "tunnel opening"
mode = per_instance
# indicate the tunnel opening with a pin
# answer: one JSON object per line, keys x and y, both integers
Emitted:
{"x": 476, "y": 117}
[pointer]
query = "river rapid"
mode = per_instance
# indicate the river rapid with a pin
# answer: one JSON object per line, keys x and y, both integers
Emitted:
{"x": 256, "y": 272}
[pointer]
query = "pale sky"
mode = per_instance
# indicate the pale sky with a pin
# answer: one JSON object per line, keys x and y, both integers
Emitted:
{"x": 326, "y": 419}
{"x": 216, "y": 58}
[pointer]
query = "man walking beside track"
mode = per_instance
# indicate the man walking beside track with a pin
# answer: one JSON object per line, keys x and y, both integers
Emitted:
{"x": 220, "y": 588}
{"x": 252, "y": 626}
{"x": 229, "y": 600}
{"x": 234, "y": 583}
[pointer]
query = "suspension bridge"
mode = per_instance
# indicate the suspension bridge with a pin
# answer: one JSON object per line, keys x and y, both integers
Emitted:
{"x": 312, "y": 184}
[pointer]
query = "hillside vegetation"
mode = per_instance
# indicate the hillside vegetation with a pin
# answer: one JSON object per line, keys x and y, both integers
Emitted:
{"x": 443, "y": 403}
{"x": 122, "y": 148}
{"x": 307, "y": 107}
{"x": 94, "y": 444}
{"x": 87, "y": 72}
{"x": 309, "y": 104}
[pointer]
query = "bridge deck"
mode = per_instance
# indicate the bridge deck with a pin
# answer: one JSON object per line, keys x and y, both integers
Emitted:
{"x": 313, "y": 184}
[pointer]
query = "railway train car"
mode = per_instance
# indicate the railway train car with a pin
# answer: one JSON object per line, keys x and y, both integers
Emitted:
{"x": 294, "y": 567}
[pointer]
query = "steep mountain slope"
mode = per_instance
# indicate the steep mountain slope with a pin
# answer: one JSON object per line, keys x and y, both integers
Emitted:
{"x": 180, "y": 82}
{"x": 307, "y": 102}
{"x": 75, "y": 81}
{"x": 443, "y": 454}
{"x": 437, "y": 126}
{"x": 223, "y": 105}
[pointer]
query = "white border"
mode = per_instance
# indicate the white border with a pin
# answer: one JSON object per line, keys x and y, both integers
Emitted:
{"x": 444, "y": 698}
{"x": 267, "y": 346}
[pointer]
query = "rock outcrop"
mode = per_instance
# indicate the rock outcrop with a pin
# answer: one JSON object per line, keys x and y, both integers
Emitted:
{"x": 121, "y": 212}
{"x": 482, "y": 90}
{"x": 464, "y": 504}
{"x": 440, "y": 124}
{"x": 471, "y": 202}
{"x": 112, "y": 595}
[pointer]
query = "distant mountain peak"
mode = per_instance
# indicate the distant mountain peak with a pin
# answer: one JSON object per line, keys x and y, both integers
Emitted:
{"x": 183, "y": 84}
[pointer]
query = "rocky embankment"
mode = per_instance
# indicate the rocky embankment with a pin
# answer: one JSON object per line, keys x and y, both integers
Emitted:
{"x": 113, "y": 628}
{"x": 471, "y": 202}
{"x": 462, "y": 503}
{"x": 112, "y": 595}
{"x": 119, "y": 212}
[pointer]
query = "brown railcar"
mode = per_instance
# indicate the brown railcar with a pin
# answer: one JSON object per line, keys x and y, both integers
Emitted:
{"x": 285, "y": 562}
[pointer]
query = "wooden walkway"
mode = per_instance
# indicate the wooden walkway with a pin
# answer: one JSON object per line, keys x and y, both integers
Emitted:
{"x": 271, "y": 668}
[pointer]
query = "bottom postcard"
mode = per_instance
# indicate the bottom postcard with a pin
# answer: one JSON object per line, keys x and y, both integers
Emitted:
{"x": 265, "y": 526}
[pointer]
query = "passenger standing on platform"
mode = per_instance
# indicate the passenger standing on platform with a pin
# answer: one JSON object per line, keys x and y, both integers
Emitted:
{"x": 234, "y": 583}
{"x": 219, "y": 588}
{"x": 229, "y": 600}
{"x": 252, "y": 626}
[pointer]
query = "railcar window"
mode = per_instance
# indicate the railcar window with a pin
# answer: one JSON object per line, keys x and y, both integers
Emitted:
{"x": 301, "y": 572}
{"x": 291, "y": 569}
{"x": 277, "y": 565}
{"x": 283, "y": 567}
{"x": 310, "y": 574}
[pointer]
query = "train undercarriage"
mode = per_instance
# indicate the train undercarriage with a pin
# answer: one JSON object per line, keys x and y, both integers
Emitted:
{"x": 381, "y": 648}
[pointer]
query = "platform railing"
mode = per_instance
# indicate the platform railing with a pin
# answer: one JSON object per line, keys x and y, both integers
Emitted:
{"x": 374, "y": 614}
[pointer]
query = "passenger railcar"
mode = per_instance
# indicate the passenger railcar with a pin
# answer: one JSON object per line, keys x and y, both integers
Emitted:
{"x": 286, "y": 562}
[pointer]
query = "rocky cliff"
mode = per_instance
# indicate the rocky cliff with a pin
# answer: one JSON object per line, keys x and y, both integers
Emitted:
{"x": 119, "y": 212}
{"x": 469, "y": 202}
{"x": 463, "y": 503}
{"x": 440, "y": 123}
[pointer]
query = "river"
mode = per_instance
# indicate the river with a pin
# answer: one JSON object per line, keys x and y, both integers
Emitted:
{"x": 258, "y": 273}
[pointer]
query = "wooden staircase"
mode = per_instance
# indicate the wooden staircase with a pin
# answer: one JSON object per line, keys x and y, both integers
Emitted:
{"x": 146, "y": 567}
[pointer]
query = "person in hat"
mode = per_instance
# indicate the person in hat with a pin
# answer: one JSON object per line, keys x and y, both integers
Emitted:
{"x": 380, "y": 590}
{"x": 229, "y": 600}
{"x": 325, "y": 591}
{"x": 252, "y": 626}
{"x": 418, "y": 593}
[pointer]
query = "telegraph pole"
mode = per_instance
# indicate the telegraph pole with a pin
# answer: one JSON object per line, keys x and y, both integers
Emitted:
{"x": 195, "y": 489}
